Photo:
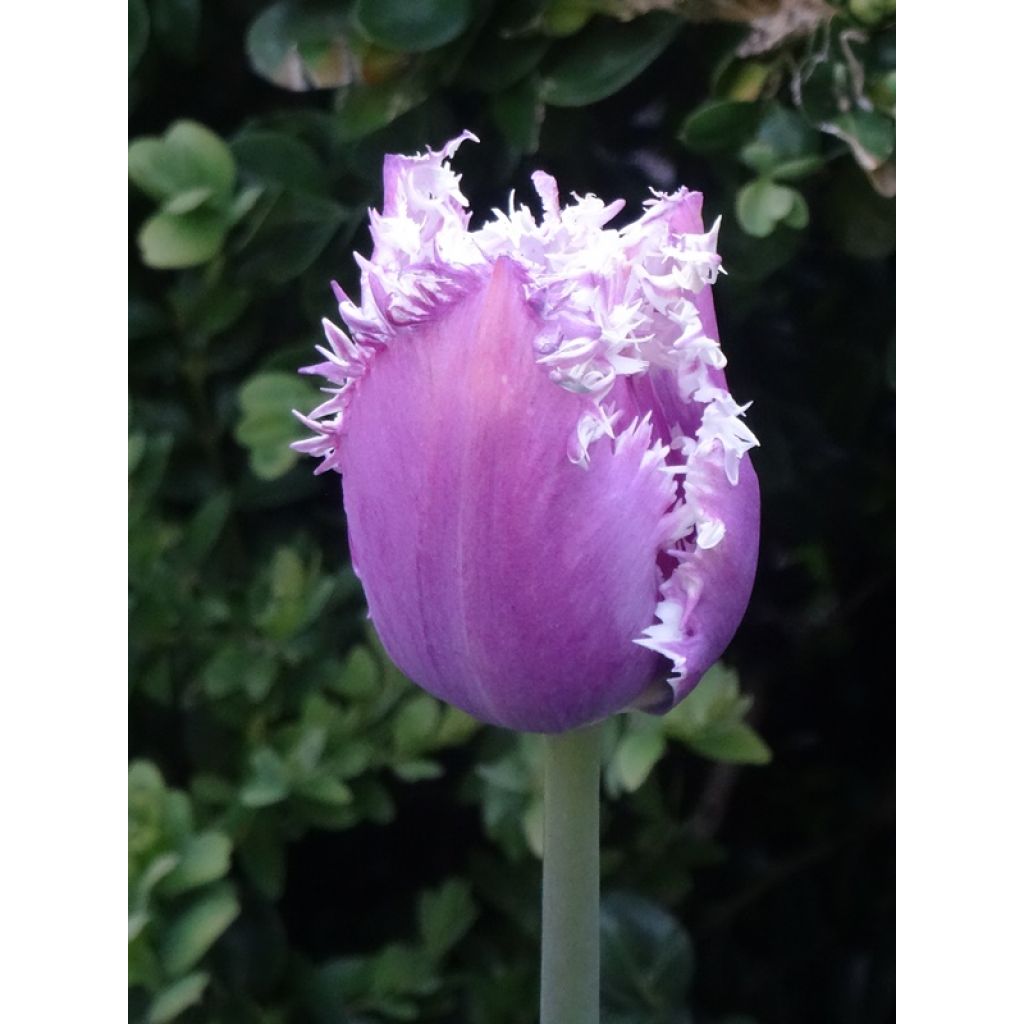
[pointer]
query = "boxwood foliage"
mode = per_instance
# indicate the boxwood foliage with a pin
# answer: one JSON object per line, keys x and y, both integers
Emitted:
{"x": 313, "y": 839}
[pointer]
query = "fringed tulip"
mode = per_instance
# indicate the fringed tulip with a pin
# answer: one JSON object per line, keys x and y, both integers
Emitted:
{"x": 544, "y": 472}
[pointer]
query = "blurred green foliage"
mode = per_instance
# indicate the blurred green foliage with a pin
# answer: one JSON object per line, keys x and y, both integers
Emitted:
{"x": 265, "y": 718}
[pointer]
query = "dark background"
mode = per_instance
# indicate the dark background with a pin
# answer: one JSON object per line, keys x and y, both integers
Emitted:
{"x": 310, "y": 838}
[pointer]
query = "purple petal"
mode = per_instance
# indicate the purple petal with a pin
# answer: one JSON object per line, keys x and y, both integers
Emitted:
{"x": 501, "y": 577}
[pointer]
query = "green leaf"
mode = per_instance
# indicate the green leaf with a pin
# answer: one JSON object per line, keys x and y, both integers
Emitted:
{"x": 519, "y": 113}
{"x": 799, "y": 215}
{"x": 363, "y": 109}
{"x": 268, "y": 779}
{"x": 301, "y": 46}
{"x": 413, "y": 27}
{"x": 417, "y": 770}
{"x": 267, "y": 426}
{"x": 783, "y": 136}
{"x": 761, "y": 205}
{"x": 870, "y": 135}
{"x": 138, "y": 32}
{"x": 188, "y": 156}
{"x": 176, "y": 26}
{"x": 445, "y": 914}
{"x": 359, "y": 678}
{"x": 171, "y": 241}
{"x": 497, "y": 63}
{"x": 455, "y": 728}
{"x": 720, "y": 125}
{"x": 295, "y": 229}
{"x": 177, "y": 997}
{"x": 567, "y": 17}
{"x": 205, "y": 858}
{"x": 206, "y": 526}
{"x": 145, "y": 806}
{"x": 191, "y": 934}
{"x": 732, "y": 742}
{"x": 273, "y": 158}
{"x": 186, "y": 202}
{"x": 799, "y": 167}
{"x": 325, "y": 789}
{"x": 872, "y": 12}
{"x": 603, "y": 58}
{"x": 710, "y": 721}
{"x": 295, "y": 593}
{"x": 404, "y": 969}
{"x": 238, "y": 667}
{"x": 243, "y": 203}
{"x": 156, "y": 871}
{"x": 637, "y": 753}
{"x": 646, "y": 959}
{"x": 416, "y": 723}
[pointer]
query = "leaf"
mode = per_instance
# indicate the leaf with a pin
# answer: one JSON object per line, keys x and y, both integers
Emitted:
{"x": 418, "y": 770}
{"x": 296, "y": 228}
{"x": 190, "y": 935}
{"x": 145, "y": 804}
{"x": 799, "y": 215}
{"x": 637, "y": 753}
{"x": 646, "y": 958}
{"x": 266, "y": 425}
{"x": 188, "y": 156}
{"x": 761, "y": 205}
{"x": 720, "y": 126}
{"x": 206, "y": 526}
{"x": 177, "y": 997}
{"x": 415, "y": 723}
{"x": 782, "y": 136}
{"x": 236, "y": 667}
{"x": 325, "y": 789}
{"x": 444, "y": 915}
{"x": 710, "y": 721}
{"x": 497, "y": 63}
{"x": 603, "y": 58}
{"x": 206, "y": 858}
{"x": 519, "y": 114}
{"x": 156, "y": 871}
{"x": 567, "y": 17}
{"x": 138, "y": 32}
{"x": 870, "y": 135}
{"x": 301, "y": 46}
{"x": 273, "y": 158}
{"x": 732, "y": 742}
{"x": 359, "y": 678}
{"x": 186, "y": 202}
{"x": 455, "y": 728}
{"x": 412, "y": 27}
{"x": 268, "y": 779}
{"x": 171, "y": 241}
{"x": 399, "y": 969}
{"x": 362, "y": 109}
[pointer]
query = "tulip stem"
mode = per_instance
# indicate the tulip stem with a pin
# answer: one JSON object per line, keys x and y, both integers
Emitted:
{"x": 570, "y": 951}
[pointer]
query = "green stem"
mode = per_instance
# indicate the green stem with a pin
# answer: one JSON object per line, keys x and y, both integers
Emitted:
{"x": 570, "y": 951}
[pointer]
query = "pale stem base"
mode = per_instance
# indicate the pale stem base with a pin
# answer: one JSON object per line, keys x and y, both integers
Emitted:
{"x": 570, "y": 951}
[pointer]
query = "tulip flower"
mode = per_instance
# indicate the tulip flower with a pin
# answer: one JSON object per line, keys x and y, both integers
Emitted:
{"x": 544, "y": 479}
{"x": 543, "y": 469}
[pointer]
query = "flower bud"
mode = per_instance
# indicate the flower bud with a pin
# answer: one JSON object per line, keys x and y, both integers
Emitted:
{"x": 544, "y": 473}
